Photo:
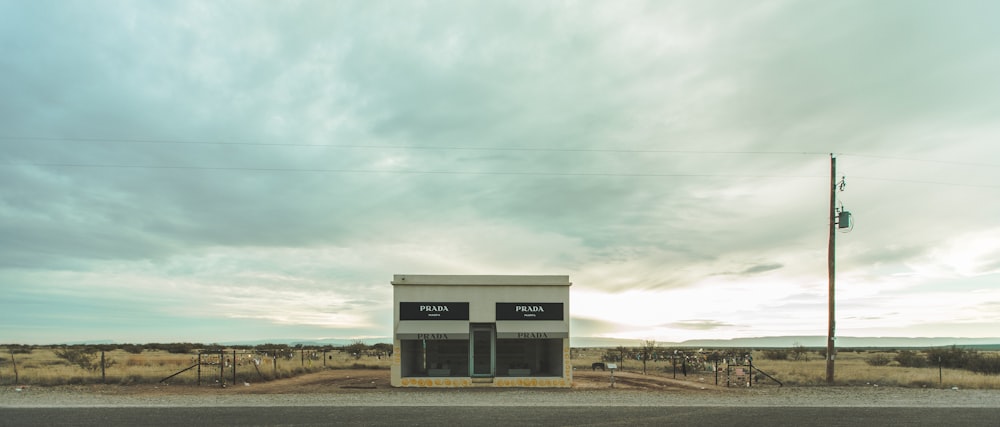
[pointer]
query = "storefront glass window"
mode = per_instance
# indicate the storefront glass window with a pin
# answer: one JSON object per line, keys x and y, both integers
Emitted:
{"x": 529, "y": 357}
{"x": 434, "y": 358}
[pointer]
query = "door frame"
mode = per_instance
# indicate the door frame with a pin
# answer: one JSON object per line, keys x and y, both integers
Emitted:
{"x": 489, "y": 328}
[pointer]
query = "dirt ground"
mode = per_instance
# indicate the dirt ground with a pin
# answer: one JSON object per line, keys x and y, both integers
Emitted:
{"x": 352, "y": 380}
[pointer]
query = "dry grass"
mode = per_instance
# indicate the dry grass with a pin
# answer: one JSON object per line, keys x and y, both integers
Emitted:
{"x": 851, "y": 369}
{"x": 43, "y": 367}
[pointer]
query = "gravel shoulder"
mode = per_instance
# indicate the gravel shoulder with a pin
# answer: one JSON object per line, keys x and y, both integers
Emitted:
{"x": 371, "y": 388}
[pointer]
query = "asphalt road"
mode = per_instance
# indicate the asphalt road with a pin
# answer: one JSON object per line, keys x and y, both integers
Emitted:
{"x": 499, "y": 415}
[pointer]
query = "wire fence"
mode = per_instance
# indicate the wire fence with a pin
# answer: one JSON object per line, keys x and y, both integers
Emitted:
{"x": 65, "y": 365}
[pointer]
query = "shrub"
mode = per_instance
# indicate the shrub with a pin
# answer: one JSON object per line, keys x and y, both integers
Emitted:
{"x": 878, "y": 359}
{"x": 775, "y": 354}
{"x": 84, "y": 357}
{"x": 81, "y": 357}
{"x": 799, "y": 353}
{"x": 356, "y": 349}
{"x": 20, "y": 348}
{"x": 951, "y": 357}
{"x": 984, "y": 364}
{"x": 271, "y": 347}
{"x": 174, "y": 348}
{"x": 132, "y": 348}
{"x": 911, "y": 359}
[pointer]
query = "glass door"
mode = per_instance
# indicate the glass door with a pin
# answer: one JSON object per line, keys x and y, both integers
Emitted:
{"x": 483, "y": 353}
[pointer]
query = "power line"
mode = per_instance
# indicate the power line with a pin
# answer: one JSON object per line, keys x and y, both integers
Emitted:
{"x": 946, "y": 162}
{"x": 479, "y": 173}
{"x": 404, "y": 172}
{"x": 924, "y": 182}
{"x": 468, "y": 148}
{"x": 489, "y": 148}
{"x": 408, "y": 147}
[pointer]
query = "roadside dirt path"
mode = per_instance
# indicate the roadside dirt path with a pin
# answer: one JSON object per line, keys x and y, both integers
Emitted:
{"x": 348, "y": 380}
{"x": 636, "y": 381}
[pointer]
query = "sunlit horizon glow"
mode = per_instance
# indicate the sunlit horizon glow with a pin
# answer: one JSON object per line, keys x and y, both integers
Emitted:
{"x": 200, "y": 172}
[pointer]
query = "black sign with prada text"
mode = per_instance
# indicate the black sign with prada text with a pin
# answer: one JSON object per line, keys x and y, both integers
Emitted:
{"x": 529, "y": 311}
{"x": 433, "y": 311}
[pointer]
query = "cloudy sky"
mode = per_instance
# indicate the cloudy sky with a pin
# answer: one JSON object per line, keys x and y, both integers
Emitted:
{"x": 218, "y": 171}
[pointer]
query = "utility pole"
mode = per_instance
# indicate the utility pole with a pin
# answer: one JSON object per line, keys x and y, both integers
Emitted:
{"x": 831, "y": 258}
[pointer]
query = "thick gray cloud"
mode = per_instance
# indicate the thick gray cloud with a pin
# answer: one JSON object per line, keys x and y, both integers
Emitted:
{"x": 261, "y": 151}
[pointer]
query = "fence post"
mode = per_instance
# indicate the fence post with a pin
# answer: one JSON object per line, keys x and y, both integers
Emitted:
{"x": 14, "y": 361}
{"x": 104, "y": 379}
{"x": 302, "y": 356}
{"x": 199, "y": 367}
{"x": 940, "y": 374}
{"x": 222, "y": 367}
{"x": 234, "y": 367}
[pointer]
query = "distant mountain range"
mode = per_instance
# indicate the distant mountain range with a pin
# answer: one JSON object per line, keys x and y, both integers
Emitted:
{"x": 332, "y": 342}
{"x": 283, "y": 341}
{"x": 756, "y": 342}
{"x": 795, "y": 341}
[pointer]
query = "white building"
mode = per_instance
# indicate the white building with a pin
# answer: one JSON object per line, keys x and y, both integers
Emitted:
{"x": 500, "y": 331}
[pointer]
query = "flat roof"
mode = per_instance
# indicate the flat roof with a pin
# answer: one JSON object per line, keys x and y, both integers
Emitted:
{"x": 479, "y": 280}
